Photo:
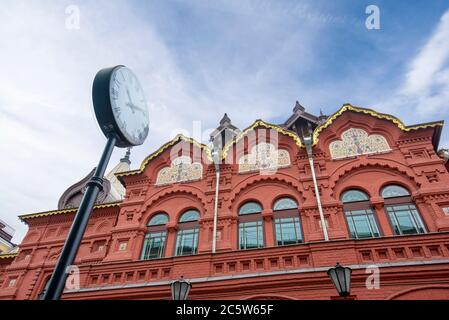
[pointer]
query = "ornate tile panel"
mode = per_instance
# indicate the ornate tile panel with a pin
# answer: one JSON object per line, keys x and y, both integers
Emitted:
{"x": 181, "y": 170}
{"x": 355, "y": 142}
{"x": 264, "y": 156}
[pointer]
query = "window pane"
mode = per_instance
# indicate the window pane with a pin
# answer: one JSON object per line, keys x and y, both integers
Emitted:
{"x": 250, "y": 207}
{"x": 362, "y": 224}
{"x": 158, "y": 219}
{"x": 154, "y": 245}
{"x": 406, "y": 223}
{"x": 394, "y": 191}
{"x": 251, "y": 235}
{"x": 285, "y": 204}
{"x": 405, "y": 219}
{"x": 353, "y": 196}
{"x": 187, "y": 242}
{"x": 190, "y": 215}
{"x": 288, "y": 231}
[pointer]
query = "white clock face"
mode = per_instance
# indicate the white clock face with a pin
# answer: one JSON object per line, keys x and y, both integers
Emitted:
{"x": 129, "y": 105}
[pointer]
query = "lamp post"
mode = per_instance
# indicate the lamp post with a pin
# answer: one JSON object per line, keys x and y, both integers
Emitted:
{"x": 180, "y": 289}
{"x": 122, "y": 114}
{"x": 341, "y": 278}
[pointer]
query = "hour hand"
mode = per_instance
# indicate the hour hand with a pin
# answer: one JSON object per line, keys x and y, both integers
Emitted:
{"x": 133, "y": 107}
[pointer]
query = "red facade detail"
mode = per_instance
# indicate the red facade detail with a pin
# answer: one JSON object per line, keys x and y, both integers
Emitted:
{"x": 414, "y": 266}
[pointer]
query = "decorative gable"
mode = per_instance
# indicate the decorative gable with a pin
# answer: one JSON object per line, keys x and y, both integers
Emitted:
{"x": 264, "y": 156}
{"x": 355, "y": 142}
{"x": 181, "y": 170}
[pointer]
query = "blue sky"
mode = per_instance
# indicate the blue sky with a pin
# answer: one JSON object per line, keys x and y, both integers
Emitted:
{"x": 197, "y": 60}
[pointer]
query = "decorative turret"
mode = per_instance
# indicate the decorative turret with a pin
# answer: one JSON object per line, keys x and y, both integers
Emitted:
{"x": 112, "y": 191}
{"x": 302, "y": 122}
{"x": 225, "y": 132}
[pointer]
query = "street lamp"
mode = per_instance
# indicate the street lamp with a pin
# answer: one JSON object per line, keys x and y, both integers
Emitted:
{"x": 180, "y": 289}
{"x": 341, "y": 278}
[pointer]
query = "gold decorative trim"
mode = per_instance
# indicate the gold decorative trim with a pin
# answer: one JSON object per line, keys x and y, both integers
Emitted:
{"x": 260, "y": 123}
{"x": 63, "y": 211}
{"x": 8, "y": 255}
{"x": 396, "y": 121}
{"x": 172, "y": 142}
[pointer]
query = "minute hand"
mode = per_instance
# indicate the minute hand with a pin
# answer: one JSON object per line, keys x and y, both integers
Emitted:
{"x": 132, "y": 106}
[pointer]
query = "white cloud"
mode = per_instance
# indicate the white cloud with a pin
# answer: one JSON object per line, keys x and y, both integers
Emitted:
{"x": 425, "y": 91}
{"x": 48, "y": 133}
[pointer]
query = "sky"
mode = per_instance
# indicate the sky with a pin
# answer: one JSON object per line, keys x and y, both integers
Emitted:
{"x": 196, "y": 60}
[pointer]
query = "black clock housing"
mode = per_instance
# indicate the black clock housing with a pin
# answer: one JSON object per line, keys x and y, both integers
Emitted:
{"x": 101, "y": 97}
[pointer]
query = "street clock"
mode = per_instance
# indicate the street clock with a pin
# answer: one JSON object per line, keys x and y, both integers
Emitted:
{"x": 120, "y": 106}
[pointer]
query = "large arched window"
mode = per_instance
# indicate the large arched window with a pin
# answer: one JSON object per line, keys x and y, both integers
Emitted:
{"x": 403, "y": 214}
{"x": 359, "y": 215}
{"x": 154, "y": 244}
{"x": 286, "y": 222}
{"x": 250, "y": 226}
{"x": 187, "y": 237}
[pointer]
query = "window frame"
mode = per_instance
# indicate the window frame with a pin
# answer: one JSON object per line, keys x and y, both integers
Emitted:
{"x": 158, "y": 228}
{"x": 251, "y": 217}
{"x": 394, "y": 185}
{"x": 156, "y": 215}
{"x": 373, "y": 213}
{"x": 284, "y": 198}
{"x": 398, "y": 201}
{"x": 164, "y": 248}
{"x": 357, "y": 201}
{"x": 250, "y": 213}
{"x": 196, "y": 230}
{"x": 185, "y": 226}
{"x": 360, "y": 205}
{"x": 263, "y": 234}
{"x": 287, "y": 213}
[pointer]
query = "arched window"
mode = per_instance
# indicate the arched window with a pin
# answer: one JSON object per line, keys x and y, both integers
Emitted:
{"x": 285, "y": 204}
{"x": 190, "y": 215}
{"x": 286, "y": 222}
{"x": 250, "y": 226}
{"x": 354, "y": 196}
{"x": 402, "y": 212}
{"x": 250, "y": 207}
{"x": 154, "y": 244}
{"x": 359, "y": 215}
{"x": 187, "y": 237}
{"x": 394, "y": 191}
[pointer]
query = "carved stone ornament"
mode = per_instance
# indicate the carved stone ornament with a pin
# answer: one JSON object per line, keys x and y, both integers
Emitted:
{"x": 264, "y": 156}
{"x": 181, "y": 170}
{"x": 355, "y": 142}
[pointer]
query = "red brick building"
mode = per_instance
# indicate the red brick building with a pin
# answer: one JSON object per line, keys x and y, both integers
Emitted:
{"x": 383, "y": 192}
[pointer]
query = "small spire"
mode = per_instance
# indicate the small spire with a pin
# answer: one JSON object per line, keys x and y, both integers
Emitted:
{"x": 298, "y": 107}
{"x": 225, "y": 119}
{"x": 126, "y": 157}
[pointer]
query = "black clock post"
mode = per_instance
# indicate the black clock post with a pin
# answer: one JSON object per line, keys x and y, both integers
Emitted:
{"x": 58, "y": 279}
{"x": 122, "y": 113}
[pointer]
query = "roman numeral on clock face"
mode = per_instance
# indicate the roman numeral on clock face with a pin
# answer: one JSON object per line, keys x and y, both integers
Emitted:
{"x": 114, "y": 93}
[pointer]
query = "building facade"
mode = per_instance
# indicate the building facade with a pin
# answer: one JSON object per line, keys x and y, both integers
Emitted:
{"x": 263, "y": 214}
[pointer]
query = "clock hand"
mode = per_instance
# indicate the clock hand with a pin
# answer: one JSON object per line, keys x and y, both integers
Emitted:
{"x": 129, "y": 96}
{"x": 133, "y": 106}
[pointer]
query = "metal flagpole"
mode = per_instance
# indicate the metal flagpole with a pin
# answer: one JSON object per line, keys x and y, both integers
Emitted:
{"x": 57, "y": 281}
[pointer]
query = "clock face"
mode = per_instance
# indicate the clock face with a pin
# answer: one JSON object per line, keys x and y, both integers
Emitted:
{"x": 129, "y": 106}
